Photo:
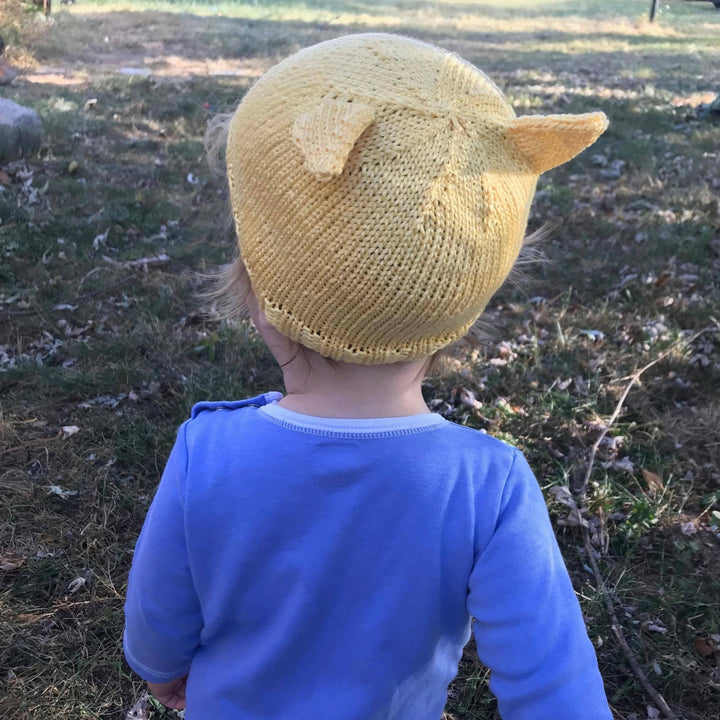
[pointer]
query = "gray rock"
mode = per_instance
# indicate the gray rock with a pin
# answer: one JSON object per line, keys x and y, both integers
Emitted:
{"x": 7, "y": 74}
{"x": 20, "y": 131}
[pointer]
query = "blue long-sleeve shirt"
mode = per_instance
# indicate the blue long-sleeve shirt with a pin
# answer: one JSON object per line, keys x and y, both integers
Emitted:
{"x": 301, "y": 567}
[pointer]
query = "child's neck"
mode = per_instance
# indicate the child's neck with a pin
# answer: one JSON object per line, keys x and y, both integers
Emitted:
{"x": 346, "y": 390}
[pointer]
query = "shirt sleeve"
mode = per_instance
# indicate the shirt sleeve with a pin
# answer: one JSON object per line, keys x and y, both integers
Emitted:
{"x": 163, "y": 620}
{"x": 528, "y": 626}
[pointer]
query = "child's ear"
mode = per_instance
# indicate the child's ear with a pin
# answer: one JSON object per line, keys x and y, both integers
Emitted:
{"x": 327, "y": 134}
{"x": 547, "y": 141}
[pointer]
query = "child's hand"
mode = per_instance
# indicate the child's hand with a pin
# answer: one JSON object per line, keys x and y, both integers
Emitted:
{"x": 171, "y": 694}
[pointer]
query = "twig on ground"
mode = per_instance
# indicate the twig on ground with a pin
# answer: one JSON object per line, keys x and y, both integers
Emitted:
{"x": 39, "y": 442}
{"x": 85, "y": 277}
{"x": 142, "y": 263}
{"x": 91, "y": 293}
{"x": 615, "y": 626}
{"x": 28, "y": 444}
{"x": 634, "y": 379}
{"x": 617, "y": 631}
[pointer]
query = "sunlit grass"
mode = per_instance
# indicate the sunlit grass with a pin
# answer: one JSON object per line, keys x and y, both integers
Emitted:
{"x": 617, "y": 17}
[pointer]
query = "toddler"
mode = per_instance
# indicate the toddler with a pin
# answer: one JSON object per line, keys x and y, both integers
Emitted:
{"x": 320, "y": 554}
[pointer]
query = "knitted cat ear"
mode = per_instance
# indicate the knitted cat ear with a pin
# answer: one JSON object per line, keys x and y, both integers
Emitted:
{"x": 547, "y": 141}
{"x": 327, "y": 134}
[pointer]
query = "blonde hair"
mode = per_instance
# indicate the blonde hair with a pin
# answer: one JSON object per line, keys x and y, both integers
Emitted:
{"x": 228, "y": 288}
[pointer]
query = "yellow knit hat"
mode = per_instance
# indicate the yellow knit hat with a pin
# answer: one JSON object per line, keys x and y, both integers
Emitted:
{"x": 381, "y": 187}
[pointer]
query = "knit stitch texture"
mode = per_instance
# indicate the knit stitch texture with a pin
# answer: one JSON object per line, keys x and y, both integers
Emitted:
{"x": 381, "y": 189}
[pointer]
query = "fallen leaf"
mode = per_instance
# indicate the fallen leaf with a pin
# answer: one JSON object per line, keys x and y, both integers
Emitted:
{"x": 467, "y": 398}
{"x": 574, "y": 517}
{"x": 612, "y": 442}
{"x": 594, "y": 335}
{"x": 563, "y": 495}
{"x": 103, "y": 400}
{"x": 61, "y": 492}
{"x": 622, "y": 464}
{"x": 703, "y": 647}
{"x": 654, "y": 627}
{"x": 100, "y": 239}
{"x": 139, "y": 710}
{"x": 11, "y": 563}
{"x": 76, "y": 584}
{"x": 655, "y": 483}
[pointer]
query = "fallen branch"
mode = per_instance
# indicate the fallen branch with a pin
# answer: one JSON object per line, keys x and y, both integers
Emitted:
{"x": 634, "y": 379}
{"x": 29, "y": 444}
{"x": 143, "y": 263}
{"x": 85, "y": 277}
{"x": 63, "y": 433}
{"x": 615, "y": 626}
{"x": 617, "y": 631}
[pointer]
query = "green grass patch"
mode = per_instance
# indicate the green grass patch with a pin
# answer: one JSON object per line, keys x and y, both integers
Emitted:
{"x": 123, "y": 353}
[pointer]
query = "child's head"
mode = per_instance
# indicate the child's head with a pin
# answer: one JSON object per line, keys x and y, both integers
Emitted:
{"x": 380, "y": 189}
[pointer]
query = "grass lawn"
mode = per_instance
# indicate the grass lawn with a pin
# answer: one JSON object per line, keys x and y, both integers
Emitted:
{"x": 120, "y": 350}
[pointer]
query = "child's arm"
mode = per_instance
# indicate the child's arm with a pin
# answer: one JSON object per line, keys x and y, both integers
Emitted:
{"x": 162, "y": 612}
{"x": 529, "y": 629}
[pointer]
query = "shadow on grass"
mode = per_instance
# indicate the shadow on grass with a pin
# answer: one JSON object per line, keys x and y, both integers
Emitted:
{"x": 182, "y": 46}
{"x": 508, "y": 11}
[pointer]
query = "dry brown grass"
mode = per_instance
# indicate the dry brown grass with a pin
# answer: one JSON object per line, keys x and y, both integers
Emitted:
{"x": 21, "y": 28}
